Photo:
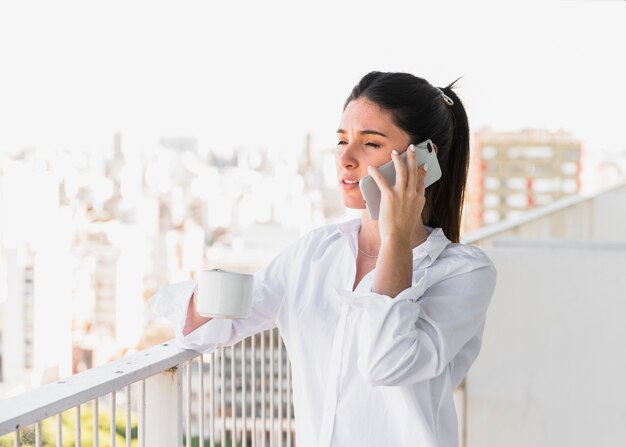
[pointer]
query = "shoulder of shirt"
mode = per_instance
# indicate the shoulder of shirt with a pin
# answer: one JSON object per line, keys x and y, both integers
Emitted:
{"x": 327, "y": 231}
{"x": 318, "y": 238}
{"x": 459, "y": 253}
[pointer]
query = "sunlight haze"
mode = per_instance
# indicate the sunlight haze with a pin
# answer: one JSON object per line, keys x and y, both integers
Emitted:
{"x": 264, "y": 75}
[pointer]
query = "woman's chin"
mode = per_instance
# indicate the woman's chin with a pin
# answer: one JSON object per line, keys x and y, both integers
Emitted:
{"x": 353, "y": 204}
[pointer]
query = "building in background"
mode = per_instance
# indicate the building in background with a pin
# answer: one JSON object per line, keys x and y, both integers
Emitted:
{"x": 151, "y": 212}
{"x": 35, "y": 244}
{"x": 512, "y": 172}
{"x": 88, "y": 236}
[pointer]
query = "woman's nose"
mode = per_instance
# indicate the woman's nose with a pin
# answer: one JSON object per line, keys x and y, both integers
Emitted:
{"x": 347, "y": 156}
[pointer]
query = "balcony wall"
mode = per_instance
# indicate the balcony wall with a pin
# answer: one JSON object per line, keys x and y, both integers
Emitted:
{"x": 551, "y": 365}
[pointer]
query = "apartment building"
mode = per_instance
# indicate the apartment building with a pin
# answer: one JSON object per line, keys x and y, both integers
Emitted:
{"x": 512, "y": 172}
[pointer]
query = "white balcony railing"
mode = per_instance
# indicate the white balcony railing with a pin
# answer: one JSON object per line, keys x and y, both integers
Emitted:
{"x": 159, "y": 389}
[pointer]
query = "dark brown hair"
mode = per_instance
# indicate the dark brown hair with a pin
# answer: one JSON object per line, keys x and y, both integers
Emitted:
{"x": 418, "y": 108}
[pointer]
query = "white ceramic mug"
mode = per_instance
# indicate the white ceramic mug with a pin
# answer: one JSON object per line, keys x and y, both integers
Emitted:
{"x": 223, "y": 294}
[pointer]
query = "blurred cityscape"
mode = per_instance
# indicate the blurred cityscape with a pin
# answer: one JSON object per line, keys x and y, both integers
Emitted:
{"x": 88, "y": 236}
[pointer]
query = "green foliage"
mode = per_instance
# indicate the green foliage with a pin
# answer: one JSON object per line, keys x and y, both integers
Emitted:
{"x": 27, "y": 435}
{"x": 49, "y": 432}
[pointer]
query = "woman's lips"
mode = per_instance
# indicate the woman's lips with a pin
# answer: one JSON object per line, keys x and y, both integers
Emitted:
{"x": 345, "y": 185}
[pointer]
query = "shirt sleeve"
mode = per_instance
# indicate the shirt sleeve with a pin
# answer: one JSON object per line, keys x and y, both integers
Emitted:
{"x": 414, "y": 336}
{"x": 268, "y": 293}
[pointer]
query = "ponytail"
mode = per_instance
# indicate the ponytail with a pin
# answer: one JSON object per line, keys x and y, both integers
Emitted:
{"x": 445, "y": 198}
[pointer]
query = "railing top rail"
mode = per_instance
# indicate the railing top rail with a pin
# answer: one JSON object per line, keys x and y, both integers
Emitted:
{"x": 53, "y": 398}
{"x": 534, "y": 214}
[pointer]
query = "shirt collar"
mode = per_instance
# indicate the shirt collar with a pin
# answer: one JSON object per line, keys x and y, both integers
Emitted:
{"x": 433, "y": 246}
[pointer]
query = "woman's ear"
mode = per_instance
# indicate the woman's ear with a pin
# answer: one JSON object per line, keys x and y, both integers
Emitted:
{"x": 435, "y": 148}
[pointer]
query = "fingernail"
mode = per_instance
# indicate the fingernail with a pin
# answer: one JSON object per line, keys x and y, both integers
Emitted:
{"x": 394, "y": 152}
{"x": 426, "y": 167}
{"x": 412, "y": 148}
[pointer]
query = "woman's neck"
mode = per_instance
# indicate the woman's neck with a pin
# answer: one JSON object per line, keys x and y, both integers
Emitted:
{"x": 369, "y": 234}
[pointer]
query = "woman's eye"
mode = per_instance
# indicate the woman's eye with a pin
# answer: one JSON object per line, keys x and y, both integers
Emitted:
{"x": 370, "y": 144}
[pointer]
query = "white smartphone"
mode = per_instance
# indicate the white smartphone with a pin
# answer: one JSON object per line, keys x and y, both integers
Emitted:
{"x": 424, "y": 153}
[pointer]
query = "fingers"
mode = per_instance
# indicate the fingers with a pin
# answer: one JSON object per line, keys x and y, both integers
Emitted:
{"x": 379, "y": 179}
{"x": 422, "y": 179}
{"x": 401, "y": 170}
{"x": 417, "y": 174}
{"x": 413, "y": 169}
{"x": 409, "y": 176}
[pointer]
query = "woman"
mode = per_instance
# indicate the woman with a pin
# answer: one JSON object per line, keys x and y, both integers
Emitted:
{"x": 381, "y": 318}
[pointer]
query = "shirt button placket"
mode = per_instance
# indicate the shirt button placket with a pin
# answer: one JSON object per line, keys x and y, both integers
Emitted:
{"x": 334, "y": 374}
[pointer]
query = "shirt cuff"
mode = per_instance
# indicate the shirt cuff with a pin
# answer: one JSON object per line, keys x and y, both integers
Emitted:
{"x": 386, "y": 332}
{"x": 368, "y": 298}
{"x": 212, "y": 334}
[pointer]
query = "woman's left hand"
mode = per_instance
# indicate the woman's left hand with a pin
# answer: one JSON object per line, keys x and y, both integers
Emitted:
{"x": 401, "y": 205}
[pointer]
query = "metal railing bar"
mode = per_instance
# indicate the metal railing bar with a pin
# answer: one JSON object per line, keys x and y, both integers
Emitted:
{"x": 223, "y": 396}
{"x": 280, "y": 386}
{"x": 128, "y": 426}
{"x": 244, "y": 428}
{"x": 96, "y": 427}
{"x": 77, "y": 427}
{"x": 188, "y": 404}
{"x": 263, "y": 418}
{"x": 142, "y": 413}
{"x": 52, "y": 398}
{"x": 233, "y": 397}
{"x": 288, "y": 403}
{"x": 285, "y": 425}
{"x": 112, "y": 419}
{"x": 272, "y": 387}
{"x": 212, "y": 400}
{"x": 59, "y": 431}
{"x": 253, "y": 389}
{"x": 38, "y": 433}
{"x": 201, "y": 400}
{"x": 167, "y": 354}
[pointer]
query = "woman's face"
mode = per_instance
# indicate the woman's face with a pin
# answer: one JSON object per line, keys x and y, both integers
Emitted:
{"x": 366, "y": 136}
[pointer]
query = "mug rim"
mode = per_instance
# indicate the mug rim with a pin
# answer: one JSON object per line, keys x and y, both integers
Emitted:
{"x": 224, "y": 271}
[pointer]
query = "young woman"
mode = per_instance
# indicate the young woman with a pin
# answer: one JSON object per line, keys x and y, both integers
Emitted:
{"x": 381, "y": 318}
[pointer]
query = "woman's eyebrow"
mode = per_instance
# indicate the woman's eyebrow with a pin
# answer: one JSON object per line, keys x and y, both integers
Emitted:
{"x": 365, "y": 132}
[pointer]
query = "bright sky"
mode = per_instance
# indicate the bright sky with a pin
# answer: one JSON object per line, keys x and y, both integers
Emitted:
{"x": 263, "y": 74}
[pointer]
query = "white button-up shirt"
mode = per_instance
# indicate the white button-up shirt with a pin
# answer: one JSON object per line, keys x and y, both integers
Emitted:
{"x": 368, "y": 370}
